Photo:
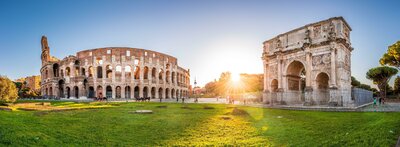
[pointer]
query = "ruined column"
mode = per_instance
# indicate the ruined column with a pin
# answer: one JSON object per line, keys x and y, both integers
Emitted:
{"x": 333, "y": 98}
{"x": 333, "y": 67}
{"x": 308, "y": 95}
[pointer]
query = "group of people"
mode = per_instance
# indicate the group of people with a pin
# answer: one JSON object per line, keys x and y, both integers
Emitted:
{"x": 380, "y": 100}
{"x": 100, "y": 97}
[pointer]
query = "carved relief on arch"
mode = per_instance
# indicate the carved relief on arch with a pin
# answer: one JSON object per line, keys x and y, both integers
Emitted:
{"x": 317, "y": 31}
{"x": 273, "y": 71}
{"x": 321, "y": 60}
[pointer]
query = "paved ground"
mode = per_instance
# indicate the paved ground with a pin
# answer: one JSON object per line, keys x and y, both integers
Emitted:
{"x": 387, "y": 107}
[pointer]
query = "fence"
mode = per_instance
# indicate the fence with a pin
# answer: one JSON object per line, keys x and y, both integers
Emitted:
{"x": 361, "y": 96}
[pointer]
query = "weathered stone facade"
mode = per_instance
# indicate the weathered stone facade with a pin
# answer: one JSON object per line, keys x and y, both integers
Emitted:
{"x": 31, "y": 82}
{"x": 309, "y": 65}
{"x": 113, "y": 72}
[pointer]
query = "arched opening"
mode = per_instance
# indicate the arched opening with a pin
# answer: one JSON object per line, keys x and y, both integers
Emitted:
{"x": 109, "y": 92}
{"x": 322, "y": 81}
{"x": 173, "y": 93}
{"x": 322, "y": 84}
{"x": 153, "y": 92}
{"x": 47, "y": 92}
{"x": 56, "y": 70}
{"x": 168, "y": 76}
{"x": 108, "y": 72}
{"x": 51, "y": 91}
{"x": 274, "y": 85}
{"x": 46, "y": 74}
{"x": 100, "y": 92}
{"x": 160, "y": 93}
{"x": 128, "y": 72}
{"x": 77, "y": 62}
{"x": 90, "y": 71}
{"x": 160, "y": 75}
{"x": 167, "y": 93}
{"x": 127, "y": 92}
{"x": 153, "y": 73}
{"x": 137, "y": 72}
{"x": 61, "y": 88}
{"x": 118, "y": 73}
{"x": 91, "y": 92}
{"x": 136, "y": 92}
{"x": 118, "y": 92}
{"x": 76, "y": 92}
{"x": 145, "y": 92}
{"x": 83, "y": 73}
{"x": 146, "y": 73}
{"x": 173, "y": 77}
{"x": 99, "y": 72}
{"x": 295, "y": 76}
{"x": 68, "y": 71}
{"x": 68, "y": 92}
{"x": 62, "y": 73}
{"x": 76, "y": 71}
{"x": 85, "y": 87}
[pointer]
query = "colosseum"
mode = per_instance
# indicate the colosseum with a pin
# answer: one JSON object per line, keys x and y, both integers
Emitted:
{"x": 113, "y": 72}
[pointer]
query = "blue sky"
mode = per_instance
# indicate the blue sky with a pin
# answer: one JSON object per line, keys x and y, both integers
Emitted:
{"x": 207, "y": 36}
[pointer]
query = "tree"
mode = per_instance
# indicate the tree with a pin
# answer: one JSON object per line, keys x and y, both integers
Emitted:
{"x": 8, "y": 90}
{"x": 381, "y": 76}
{"x": 252, "y": 82}
{"x": 354, "y": 82}
{"x": 211, "y": 88}
{"x": 396, "y": 86}
{"x": 365, "y": 86}
{"x": 392, "y": 56}
{"x": 223, "y": 84}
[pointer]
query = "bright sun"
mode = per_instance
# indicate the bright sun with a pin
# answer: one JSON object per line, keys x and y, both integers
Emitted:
{"x": 235, "y": 77}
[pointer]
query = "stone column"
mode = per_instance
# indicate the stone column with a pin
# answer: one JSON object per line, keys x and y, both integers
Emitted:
{"x": 333, "y": 67}
{"x": 141, "y": 72}
{"x": 104, "y": 90}
{"x": 123, "y": 92}
{"x": 113, "y": 73}
{"x": 156, "y": 95}
{"x": 308, "y": 89}
{"x": 140, "y": 91}
{"x": 333, "y": 101}
{"x": 280, "y": 82}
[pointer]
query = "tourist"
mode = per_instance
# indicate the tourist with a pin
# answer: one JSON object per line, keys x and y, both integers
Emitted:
{"x": 380, "y": 101}
{"x": 374, "y": 102}
{"x": 99, "y": 98}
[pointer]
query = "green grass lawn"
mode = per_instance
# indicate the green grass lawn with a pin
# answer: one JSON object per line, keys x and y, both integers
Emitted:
{"x": 195, "y": 125}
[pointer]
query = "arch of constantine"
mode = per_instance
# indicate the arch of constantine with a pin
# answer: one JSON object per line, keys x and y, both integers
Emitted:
{"x": 113, "y": 72}
{"x": 309, "y": 65}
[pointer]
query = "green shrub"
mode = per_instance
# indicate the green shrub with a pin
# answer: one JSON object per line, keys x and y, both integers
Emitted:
{"x": 8, "y": 90}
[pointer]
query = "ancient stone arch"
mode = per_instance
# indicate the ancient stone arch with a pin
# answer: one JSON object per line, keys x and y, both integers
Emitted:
{"x": 309, "y": 65}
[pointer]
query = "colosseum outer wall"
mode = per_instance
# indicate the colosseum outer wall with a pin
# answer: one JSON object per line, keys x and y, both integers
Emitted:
{"x": 115, "y": 72}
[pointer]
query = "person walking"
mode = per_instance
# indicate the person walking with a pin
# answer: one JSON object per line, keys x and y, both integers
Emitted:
{"x": 380, "y": 101}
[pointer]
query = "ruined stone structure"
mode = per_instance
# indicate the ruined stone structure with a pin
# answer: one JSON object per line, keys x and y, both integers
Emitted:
{"x": 113, "y": 72}
{"x": 309, "y": 65}
{"x": 31, "y": 82}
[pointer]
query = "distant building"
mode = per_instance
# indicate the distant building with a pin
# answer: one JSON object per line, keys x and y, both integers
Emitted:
{"x": 31, "y": 82}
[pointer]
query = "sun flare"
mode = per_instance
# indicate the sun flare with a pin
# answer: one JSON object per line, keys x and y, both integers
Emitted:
{"x": 235, "y": 77}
